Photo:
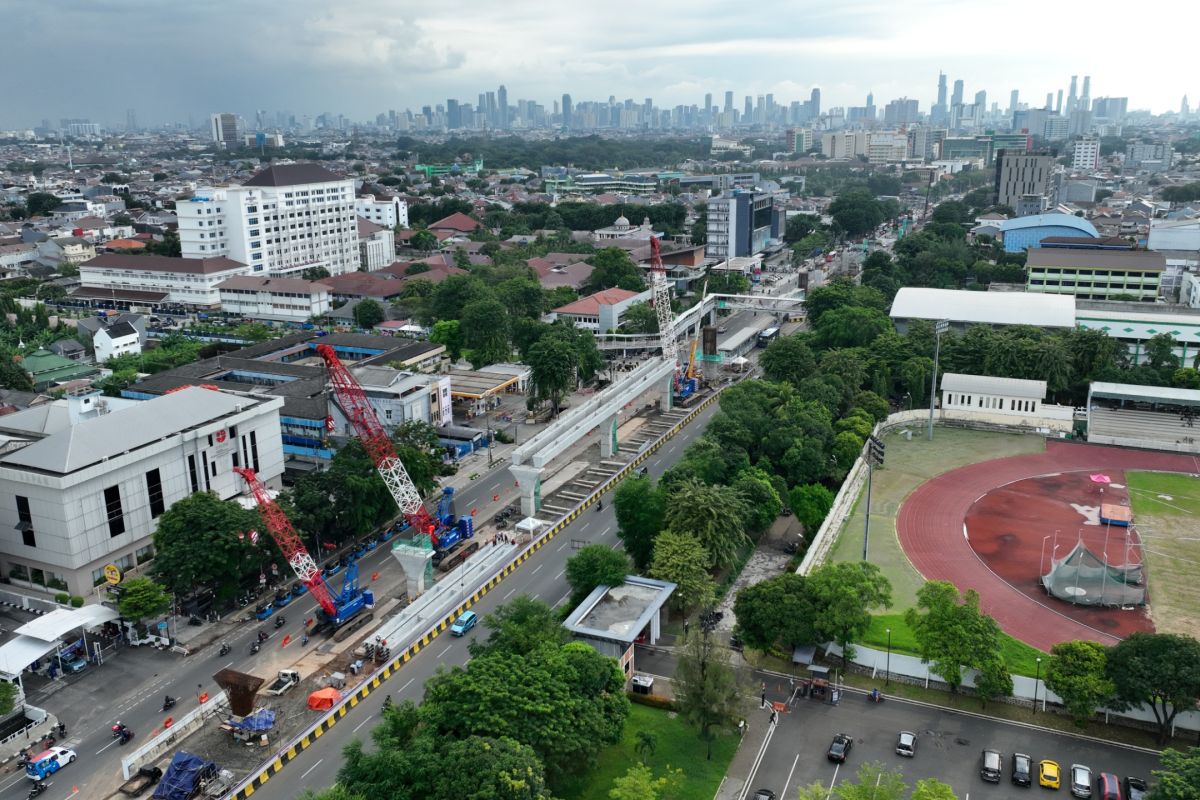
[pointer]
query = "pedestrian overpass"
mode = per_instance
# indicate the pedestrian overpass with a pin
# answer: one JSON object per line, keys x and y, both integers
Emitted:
{"x": 791, "y": 303}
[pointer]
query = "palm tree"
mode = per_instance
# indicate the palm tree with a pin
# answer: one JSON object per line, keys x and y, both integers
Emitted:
{"x": 1054, "y": 364}
{"x": 646, "y": 744}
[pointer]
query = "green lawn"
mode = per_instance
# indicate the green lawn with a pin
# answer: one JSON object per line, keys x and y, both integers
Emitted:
{"x": 1020, "y": 657}
{"x": 1165, "y": 509}
{"x": 678, "y": 747}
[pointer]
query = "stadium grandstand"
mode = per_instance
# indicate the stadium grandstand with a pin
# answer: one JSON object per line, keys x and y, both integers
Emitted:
{"x": 1154, "y": 417}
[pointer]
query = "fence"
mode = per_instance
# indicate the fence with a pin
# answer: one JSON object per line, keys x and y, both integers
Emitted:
{"x": 36, "y": 716}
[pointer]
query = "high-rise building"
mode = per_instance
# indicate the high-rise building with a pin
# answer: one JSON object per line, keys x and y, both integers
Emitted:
{"x": 1012, "y": 102}
{"x": 130, "y": 120}
{"x": 728, "y": 102}
{"x": 285, "y": 219}
{"x": 941, "y": 101}
{"x": 748, "y": 112}
{"x": 1058, "y": 105}
{"x": 957, "y": 98}
{"x": 1184, "y": 108}
{"x": 1072, "y": 99}
{"x": 224, "y": 129}
{"x": 1020, "y": 174}
{"x": 708, "y": 106}
{"x": 1085, "y": 102}
{"x": 1111, "y": 109}
{"x": 502, "y": 107}
{"x": 567, "y": 110}
{"x": 814, "y": 100}
{"x": 901, "y": 111}
{"x": 739, "y": 224}
{"x": 1086, "y": 155}
{"x": 939, "y": 114}
{"x": 453, "y": 114}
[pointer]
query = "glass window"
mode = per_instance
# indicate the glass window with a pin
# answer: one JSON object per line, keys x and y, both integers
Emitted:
{"x": 113, "y": 511}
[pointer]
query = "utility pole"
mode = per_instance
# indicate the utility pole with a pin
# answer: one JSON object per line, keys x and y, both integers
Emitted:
{"x": 874, "y": 459}
{"x": 939, "y": 327}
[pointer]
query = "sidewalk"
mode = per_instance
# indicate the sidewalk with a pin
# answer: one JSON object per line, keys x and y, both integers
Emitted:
{"x": 749, "y": 752}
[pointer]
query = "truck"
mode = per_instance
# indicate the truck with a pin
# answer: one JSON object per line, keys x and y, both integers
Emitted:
{"x": 446, "y": 560}
{"x": 185, "y": 777}
{"x": 142, "y": 780}
{"x": 286, "y": 679}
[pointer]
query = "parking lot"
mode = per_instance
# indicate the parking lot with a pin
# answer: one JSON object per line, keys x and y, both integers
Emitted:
{"x": 948, "y": 747}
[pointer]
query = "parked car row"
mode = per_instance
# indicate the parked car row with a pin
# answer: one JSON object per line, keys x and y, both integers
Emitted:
{"x": 1104, "y": 786}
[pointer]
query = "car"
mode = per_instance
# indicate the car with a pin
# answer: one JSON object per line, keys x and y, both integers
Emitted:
{"x": 1049, "y": 774}
{"x": 906, "y": 744}
{"x": 72, "y": 662}
{"x": 466, "y": 620}
{"x": 991, "y": 765}
{"x": 722, "y": 328}
{"x": 1108, "y": 786}
{"x": 840, "y": 748}
{"x": 1135, "y": 789}
{"x": 48, "y": 762}
{"x": 1022, "y": 769}
{"x": 764, "y": 794}
{"x": 1081, "y": 780}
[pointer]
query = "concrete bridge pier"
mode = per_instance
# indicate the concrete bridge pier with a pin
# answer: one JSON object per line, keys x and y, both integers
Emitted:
{"x": 529, "y": 480}
{"x": 608, "y": 437}
{"x": 417, "y": 563}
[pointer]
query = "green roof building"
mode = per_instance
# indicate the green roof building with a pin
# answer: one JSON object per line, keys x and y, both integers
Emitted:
{"x": 47, "y": 370}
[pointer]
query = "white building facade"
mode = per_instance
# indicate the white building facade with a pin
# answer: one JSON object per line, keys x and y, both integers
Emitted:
{"x": 386, "y": 211}
{"x": 398, "y": 397}
{"x": 191, "y": 281}
{"x": 285, "y": 219}
{"x": 118, "y": 339}
{"x": 276, "y": 299}
{"x": 1086, "y": 156}
{"x": 376, "y": 245}
{"x": 87, "y": 490}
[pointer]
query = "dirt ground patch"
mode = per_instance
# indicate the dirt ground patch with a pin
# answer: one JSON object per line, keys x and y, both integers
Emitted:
{"x": 1166, "y": 507}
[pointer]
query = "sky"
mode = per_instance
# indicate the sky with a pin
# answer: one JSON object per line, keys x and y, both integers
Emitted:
{"x": 171, "y": 59}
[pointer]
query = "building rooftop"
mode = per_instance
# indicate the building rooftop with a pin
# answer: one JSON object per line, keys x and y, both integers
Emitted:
{"x": 366, "y": 227}
{"x": 590, "y": 305}
{"x": 986, "y": 308}
{"x": 249, "y": 283}
{"x": 1148, "y": 394}
{"x": 1143, "y": 260}
{"x": 191, "y": 266}
{"x": 619, "y": 613}
{"x": 455, "y": 222}
{"x": 1048, "y": 220}
{"x": 292, "y": 175}
{"x": 983, "y": 384}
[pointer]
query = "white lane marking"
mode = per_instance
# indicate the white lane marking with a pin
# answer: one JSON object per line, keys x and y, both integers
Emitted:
{"x": 535, "y": 569}
{"x": 562, "y": 600}
{"x": 560, "y": 574}
{"x": 791, "y": 771}
{"x": 110, "y": 744}
{"x": 508, "y": 594}
{"x": 560, "y": 547}
{"x": 368, "y": 719}
{"x": 447, "y": 650}
{"x": 310, "y": 769}
{"x": 405, "y": 686}
{"x": 227, "y": 666}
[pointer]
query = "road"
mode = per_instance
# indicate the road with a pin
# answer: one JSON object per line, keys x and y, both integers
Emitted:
{"x": 541, "y": 576}
{"x": 948, "y": 746}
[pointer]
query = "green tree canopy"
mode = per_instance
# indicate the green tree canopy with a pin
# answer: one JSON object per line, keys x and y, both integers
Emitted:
{"x": 1076, "y": 673}
{"x": 448, "y": 332}
{"x": 844, "y": 593}
{"x": 202, "y": 540}
{"x": 594, "y": 565}
{"x": 788, "y": 359}
{"x": 681, "y": 559}
{"x": 613, "y": 267}
{"x": 779, "y": 610}
{"x": 706, "y": 689}
{"x": 1161, "y": 670}
{"x": 521, "y": 626}
{"x": 368, "y": 313}
{"x": 713, "y": 514}
{"x": 640, "y": 506}
{"x": 39, "y": 204}
{"x": 141, "y": 598}
{"x": 1179, "y": 778}
{"x": 811, "y": 503}
{"x": 951, "y": 635}
{"x": 485, "y": 329}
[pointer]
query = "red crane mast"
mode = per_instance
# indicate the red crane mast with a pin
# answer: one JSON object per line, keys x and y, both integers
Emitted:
{"x": 281, "y": 530}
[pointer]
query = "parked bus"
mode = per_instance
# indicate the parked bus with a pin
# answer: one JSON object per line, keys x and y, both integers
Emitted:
{"x": 765, "y": 337}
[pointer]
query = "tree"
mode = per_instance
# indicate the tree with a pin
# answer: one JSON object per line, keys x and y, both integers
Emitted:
{"x": 8, "y": 697}
{"x": 951, "y": 635}
{"x": 706, "y": 689}
{"x": 141, "y": 598}
{"x": 640, "y": 507}
{"x": 647, "y": 744}
{"x": 613, "y": 267}
{"x": 594, "y": 565}
{"x": 521, "y": 626}
{"x": 680, "y": 559}
{"x": 1160, "y": 670}
{"x": 639, "y": 783}
{"x": 640, "y": 318}
{"x": 713, "y": 514}
{"x": 449, "y": 333}
{"x": 202, "y": 540}
{"x": 335, "y": 792}
{"x": 314, "y": 273}
{"x": 759, "y": 498}
{"x": 1076, "y": 673}
{"x": 1179, "y": 778}
{"x": 12, "y": 376}
{"x": 932, "y": 789}
{"x": 423, "y": 241}
{"x": 552, "y": 362}
{"x": 789, "y": 359}
{"x": 851, "y": 326}
{"x": 39, "y": 204}
{"x": 777, "y": 610}
{"x": 844, "y": 594}
{"x": 811, "y": 503}
{"x": 485, "y": 332}
{"x": 798, "y": 226}
{"x": 875, "y": 781}
{"x": 993, "y": 681}
{"x": 1160, "y": 352}
{"x": 368, "y": 313}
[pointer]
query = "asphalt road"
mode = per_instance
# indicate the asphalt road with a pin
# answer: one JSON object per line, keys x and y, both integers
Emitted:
{"x": 541, "y": 576}
{"x": 948, "y": 747}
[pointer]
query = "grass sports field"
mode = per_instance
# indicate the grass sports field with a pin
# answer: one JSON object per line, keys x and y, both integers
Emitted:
{"x": 1166, "y": 511}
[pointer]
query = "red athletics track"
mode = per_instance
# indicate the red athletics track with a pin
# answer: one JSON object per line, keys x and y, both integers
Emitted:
{"x": 931, "y": 522}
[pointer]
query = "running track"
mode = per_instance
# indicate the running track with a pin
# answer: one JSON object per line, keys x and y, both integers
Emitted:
{"x": 930, "y": 529}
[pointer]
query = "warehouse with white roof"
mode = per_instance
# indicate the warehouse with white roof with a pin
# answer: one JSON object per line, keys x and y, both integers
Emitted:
{"x": 964, "y": 309}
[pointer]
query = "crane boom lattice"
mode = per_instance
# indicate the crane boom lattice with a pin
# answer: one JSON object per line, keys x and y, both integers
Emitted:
{"x": 285, "y": 536}
{"x": 378, "y": 444}
{"x": 662, "y": 304}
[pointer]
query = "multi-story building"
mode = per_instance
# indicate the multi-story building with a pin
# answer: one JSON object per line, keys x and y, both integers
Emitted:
{"x": 285, "y": 219}
{"x": 276, "y": 299}
{"x": 399, "y": 396}
{"x": 740, "y": 224}
{"x": 1019, "y": 174}
{"x": 224, "y": 129}
{"x": 1086, "y": 154}
{"x": 885, "y": 147}
{"x": 1095, "y": 274}
{"x": 1056, "y": 128}
{"x": 376, "y": 245}
{"x": 901, "y": 111}
{"x": 844, "y": 144}
{"x": 84, "y": 480}
{"x": 1154, "y": 157}
{"x": 152, "y": 280}
{"x": 600, "y": 312}
{"x": 382, "y": 209}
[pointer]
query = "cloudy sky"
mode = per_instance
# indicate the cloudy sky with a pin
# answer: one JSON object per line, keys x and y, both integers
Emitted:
{"x": 169, "y": 59}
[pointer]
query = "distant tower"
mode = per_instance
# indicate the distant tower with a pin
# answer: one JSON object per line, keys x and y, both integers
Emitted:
{"x": 941, "y": 101}
{"x": 815, "y": 99}
{"x": 728, "y": 103}
{"x": 1012, "y": 102}
{"x": 502, "y": 106}
{"x": 566, "y": 110}
{"x": 1085, "y": 102}
{"x": 1058, "y": 105}
{"x": 130, "y": 120}
{"x": 957, "y": 98}
{"x": 1184, "y": 108}
{"x": 1072, "y": 98}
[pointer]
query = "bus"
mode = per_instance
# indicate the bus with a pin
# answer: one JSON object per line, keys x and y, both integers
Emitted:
{"x": 765, "y": 337}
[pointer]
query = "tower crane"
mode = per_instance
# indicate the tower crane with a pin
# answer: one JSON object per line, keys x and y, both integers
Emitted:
{"x": 338, "y": 609}
{"x": 683, "y": 386}
{"x": 378, "y": 444}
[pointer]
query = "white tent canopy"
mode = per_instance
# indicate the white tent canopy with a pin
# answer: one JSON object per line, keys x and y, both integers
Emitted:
{"x": 22, "y": 651}
{"x": 61, "y": 621}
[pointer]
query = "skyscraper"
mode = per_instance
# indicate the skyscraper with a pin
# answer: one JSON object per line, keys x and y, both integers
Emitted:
{"x": 566, "y": 110}
{"x": 502, "y": 106}
{"x": 815, "y": 100}
{"x": 748, "y": 114}
{"x": 453, "y": 114}
{"x": 1085, "y": 102}
{"x": 1184, "y": 108}
{"x": 1058, "y": 105}
{"x": 1012, "y": 102}
{"x": 708, "y": 107}
{"x": 938, "y": 114}
{"x": 729, "y": 102}
{"x": 981, "y": 99}
{"x": 941, "y": 101}
{"x": 957, "y": 98}
{"x": 130, "y": 120}
{"x": 224, "y": 129}
{"x": 1072, "y": 98}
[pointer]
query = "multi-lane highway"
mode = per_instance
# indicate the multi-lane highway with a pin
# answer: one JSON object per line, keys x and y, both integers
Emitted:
{"x": 541, "y": 576}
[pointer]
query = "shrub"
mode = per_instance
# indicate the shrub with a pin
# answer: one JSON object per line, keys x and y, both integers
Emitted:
{"x": 652, "y": 700}
{"x": 62, "y": 598}
{"x": 76, "y": 601}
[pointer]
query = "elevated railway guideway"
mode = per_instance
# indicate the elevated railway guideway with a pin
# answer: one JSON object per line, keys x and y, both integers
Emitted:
{"x": 791, "y": 304}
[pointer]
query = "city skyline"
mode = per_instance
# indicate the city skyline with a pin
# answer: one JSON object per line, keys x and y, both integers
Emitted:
{"x": 370, "y": 55}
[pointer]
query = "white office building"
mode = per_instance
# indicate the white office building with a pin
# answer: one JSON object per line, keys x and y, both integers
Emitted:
{"x": 84, "y": 480}
{"x": 275, "y": 299}
{"x": 157, "y": 279}
{"x": 1086, "y": 156}
{"x": 376, "y": 245}
{"x": 285, "y": 219}
{"x": 399, "y": 396}
{"x": 386, "y": 210}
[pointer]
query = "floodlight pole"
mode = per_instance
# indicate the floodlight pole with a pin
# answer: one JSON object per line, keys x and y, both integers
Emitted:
{"x": 939, "y": 327}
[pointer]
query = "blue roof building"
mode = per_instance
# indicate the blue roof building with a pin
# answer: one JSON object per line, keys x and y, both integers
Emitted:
{"x": 1022, "y": 233}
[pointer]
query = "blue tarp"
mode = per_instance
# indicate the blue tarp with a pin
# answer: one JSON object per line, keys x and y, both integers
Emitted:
{"x": 261, "y": 720}
{"x": 182, "y": 776}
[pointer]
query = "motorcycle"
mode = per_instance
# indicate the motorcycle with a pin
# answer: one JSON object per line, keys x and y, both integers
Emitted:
{"x": 599, "y": 505}
{"x": 280, "y": 621}
{"x": 262, "y": 636}
{"x": 225, "y": 648}
{"x": 168, "y": 703}
{"x": 874, "y": 696}
{"x": 255, "y": 647}
{"x": 125, "y": 736}
{"x": 117, "y": 730}
{"x": 37, "y": 789}
{"x": 62, "y": 729}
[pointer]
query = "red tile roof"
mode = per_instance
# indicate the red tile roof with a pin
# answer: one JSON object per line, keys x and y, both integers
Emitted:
{"x": 455, "y": 222}
{"x": 364, "y": 284}
{"x": 590, "y": 306}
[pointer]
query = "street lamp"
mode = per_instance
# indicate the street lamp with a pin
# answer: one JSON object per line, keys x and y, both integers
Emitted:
{"x": 1036, "y": 683}
{"x": 887, "y": 681}
{"x": 939, "y": 327}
